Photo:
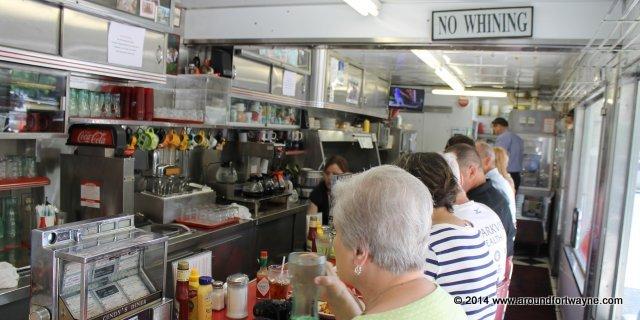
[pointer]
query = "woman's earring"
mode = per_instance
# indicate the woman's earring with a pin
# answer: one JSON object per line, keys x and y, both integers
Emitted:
{"x": 358, "y": 270}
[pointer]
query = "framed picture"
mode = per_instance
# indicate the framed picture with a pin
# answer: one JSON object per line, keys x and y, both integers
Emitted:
{"x": 148, "y": 9}
{"x": 176, "y": 17}
{"x": 130, "y": 6}
{"x": 163, "y": 15}
{"x": 173, "y": 52}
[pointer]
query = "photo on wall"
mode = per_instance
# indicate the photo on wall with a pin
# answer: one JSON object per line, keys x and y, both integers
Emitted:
{"x": 130, "y": 6}
{"x": 173, "y": 53}
{"x": 148, "y": 9}
{"x": 163, "y": 15}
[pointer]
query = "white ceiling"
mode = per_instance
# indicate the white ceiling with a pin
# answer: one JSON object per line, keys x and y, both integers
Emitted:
{"x": 506, "y": 69}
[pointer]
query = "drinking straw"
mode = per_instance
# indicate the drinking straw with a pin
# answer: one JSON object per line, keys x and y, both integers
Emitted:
{"x": 282, "y": 267}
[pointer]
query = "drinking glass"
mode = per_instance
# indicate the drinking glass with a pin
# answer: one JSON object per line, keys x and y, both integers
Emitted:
{"x": 3, "y": 168}
{"x": 95, "y": 99}
{"x": 106, "y": 105}
{"x": 304, "y": 267}
{"x": 278, "y": 282}
{"x": 73, "y": 102}
{"x": 115, "y": 105}
{"x": 29, "y": 167}
{"x": 13, "y": 167}
{"x": 84, "y": 109}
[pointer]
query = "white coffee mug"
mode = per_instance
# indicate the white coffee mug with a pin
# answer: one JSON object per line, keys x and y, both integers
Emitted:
{"x": 296, "y": 135}
{"x": 243, "y": 137}
{"x": 266, "y": 136}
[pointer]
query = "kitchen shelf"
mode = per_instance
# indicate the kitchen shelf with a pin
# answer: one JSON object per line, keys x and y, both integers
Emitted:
{"x": 283, "y": 126}
{"x": 23, "y": 183}
{"x": 30, "y": 85}
{"x": 294, "y": 152}
{"x": 32, "y": 135}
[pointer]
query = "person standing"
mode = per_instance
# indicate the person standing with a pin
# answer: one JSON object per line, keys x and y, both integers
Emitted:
{"x": 474, "y": 183}
{"x": 514, "y": 146}
{"x": 488, "y": 158}
{"x": 460, "y": 259}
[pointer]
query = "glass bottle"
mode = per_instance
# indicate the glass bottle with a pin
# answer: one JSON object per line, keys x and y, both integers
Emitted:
{"x": 182, "y": 291}
{"x": 262, "y": 280}
{"x": 312, "y": 234}
{"x": 217, "y": 299}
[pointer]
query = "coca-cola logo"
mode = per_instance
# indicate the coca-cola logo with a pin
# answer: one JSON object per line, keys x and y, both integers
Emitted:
{"x": 94, "y": 137}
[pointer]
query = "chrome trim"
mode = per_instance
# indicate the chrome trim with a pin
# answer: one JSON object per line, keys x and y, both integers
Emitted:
{"x": 267, "y": 97}
{"x": 57, "y": 62}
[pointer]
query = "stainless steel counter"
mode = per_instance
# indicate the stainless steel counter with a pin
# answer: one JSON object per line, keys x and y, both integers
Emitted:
{"x": 22, "y": 291}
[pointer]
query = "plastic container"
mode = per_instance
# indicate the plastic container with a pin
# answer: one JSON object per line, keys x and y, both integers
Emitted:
{"x": 194, "y": 285}
{"x": 204, "y": 298}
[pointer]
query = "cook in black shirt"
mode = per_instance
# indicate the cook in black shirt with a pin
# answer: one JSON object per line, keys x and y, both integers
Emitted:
{"x": 319, "y": 197}
{"x": 479, "y": 189}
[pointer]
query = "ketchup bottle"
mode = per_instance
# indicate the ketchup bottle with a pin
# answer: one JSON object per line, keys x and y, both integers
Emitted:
{"x": 182, "y": 291}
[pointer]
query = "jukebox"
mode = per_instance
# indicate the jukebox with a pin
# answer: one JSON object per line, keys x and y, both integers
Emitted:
{"x": 99, "y": 269}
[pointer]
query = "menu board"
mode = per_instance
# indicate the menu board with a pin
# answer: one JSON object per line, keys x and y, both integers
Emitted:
{"x": 93, "y": 307}
{"x": 111, "y": 297}
{"x": 133, "y": 287}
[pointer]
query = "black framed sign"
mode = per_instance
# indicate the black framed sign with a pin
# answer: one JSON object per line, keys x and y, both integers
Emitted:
{"x": 511, "y": 22}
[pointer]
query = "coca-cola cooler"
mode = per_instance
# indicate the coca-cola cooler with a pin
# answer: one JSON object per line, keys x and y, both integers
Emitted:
{"x": 98, "y": 179}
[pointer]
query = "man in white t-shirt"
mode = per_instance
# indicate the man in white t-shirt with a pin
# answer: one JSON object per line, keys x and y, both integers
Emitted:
{"x": 488, "y": 158}
{"x": 483, "y": 218}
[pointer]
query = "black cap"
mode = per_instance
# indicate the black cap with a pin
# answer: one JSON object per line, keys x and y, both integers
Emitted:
{"x": 501, "y": 121}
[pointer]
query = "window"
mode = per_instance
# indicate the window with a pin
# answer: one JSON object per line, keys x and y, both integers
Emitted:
{"x": 587, "y": 180}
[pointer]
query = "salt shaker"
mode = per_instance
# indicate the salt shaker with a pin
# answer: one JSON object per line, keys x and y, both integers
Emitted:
{"x": 217, "y": 301}
{"x": 237, "y": 294}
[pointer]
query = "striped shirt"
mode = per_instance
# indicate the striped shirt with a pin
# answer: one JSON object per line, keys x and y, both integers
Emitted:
{"x": 459, "y": 261}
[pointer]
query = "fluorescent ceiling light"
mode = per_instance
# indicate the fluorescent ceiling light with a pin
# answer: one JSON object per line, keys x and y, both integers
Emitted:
{"x": 450, "y": 79}
{"x": 365, "y": 7}
{"x": 427, "y": 58}
{"x": 441, "y": 70}
{"x": 471, "y": 93}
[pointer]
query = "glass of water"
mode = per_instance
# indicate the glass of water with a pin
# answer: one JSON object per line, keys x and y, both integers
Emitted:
{"x": 304, "y": 267}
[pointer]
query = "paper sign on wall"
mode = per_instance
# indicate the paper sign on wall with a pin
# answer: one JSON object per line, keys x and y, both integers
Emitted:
{"x": 90, "y": 193}
{"x": 125, "y": 45}
{"x": 289, "y": 84}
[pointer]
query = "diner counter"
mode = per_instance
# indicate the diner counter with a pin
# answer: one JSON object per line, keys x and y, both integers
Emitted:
{"x": 235, "y": 248}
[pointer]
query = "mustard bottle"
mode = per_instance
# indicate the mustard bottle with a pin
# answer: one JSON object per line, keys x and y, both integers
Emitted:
{"x": 194, "y": 284}
{"x": 205, "y": 303}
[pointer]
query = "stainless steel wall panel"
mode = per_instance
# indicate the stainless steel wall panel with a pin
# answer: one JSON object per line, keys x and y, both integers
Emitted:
{"x": 30, "y": 25}
{"x": 277, "y": 75}
{"x": 251, "y": 75}
{"x": 84, "y": 37}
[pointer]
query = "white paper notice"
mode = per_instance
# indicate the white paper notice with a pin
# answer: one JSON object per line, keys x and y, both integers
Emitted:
{"x": 289, "y": 84}
{"x": 126, "y": 44}
{"x": 549, "y": 125}
{"x": 90, "y": 193}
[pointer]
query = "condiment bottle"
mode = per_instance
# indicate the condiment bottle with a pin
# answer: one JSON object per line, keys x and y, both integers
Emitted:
{"x": 217, "y": 300}
{"x": 366, "y": 126}
{"x": 262, "y": 281}
{"x": 182, "y": 291}
{"x": 194, "y": 284}
{"x": 237, "y": 293}
{"x": 312, "y": 234}
{"x": 204, "y": 298}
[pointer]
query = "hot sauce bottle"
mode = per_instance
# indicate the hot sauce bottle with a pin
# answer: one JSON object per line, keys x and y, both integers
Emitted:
{"x": 262, "y": 281}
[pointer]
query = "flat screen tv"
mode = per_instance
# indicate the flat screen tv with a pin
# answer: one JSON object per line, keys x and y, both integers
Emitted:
{"x": 406, "y": 98}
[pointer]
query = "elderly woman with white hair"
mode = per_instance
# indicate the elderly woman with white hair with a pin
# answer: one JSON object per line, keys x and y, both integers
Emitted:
{"x": 382, "y": 218}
